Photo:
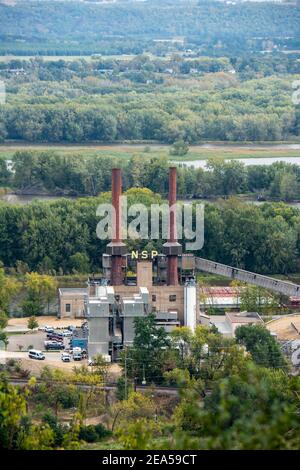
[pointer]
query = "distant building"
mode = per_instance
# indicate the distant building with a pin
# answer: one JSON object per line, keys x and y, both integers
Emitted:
{"x": 71, "y": 302}
{"x": 228, "y": 323}
{"x": 219, "y": 298}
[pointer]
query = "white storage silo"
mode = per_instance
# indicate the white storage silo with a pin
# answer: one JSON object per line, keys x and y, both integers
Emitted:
{"x": 190, "y": 305}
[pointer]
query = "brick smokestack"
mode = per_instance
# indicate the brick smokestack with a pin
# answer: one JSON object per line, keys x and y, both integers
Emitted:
{"x": 116, "y": 190}
{"x": 172, "y": 248}
{"x": 116, "y": 248}
{"x": 172, "y": 201}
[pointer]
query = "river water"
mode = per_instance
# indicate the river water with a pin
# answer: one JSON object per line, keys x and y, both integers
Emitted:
{"x": 22, "y": 199}
{"x": 247, "y": 161}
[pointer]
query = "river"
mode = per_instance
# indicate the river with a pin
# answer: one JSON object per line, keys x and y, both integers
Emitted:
{"x": 246, "y": 161}
{"x": 25, "y": 199}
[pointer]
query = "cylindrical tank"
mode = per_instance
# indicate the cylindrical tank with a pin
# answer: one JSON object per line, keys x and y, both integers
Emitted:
{"x": 190, "y": 306}
{"x": 100, "y": 291}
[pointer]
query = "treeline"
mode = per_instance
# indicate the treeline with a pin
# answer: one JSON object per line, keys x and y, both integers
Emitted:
{"x": 75, "y": 124}
{"x": 58, "y": 70}
{"x": 74, "y": 175}
{"x": 60, "y": 237}
{"x": 143, "y": 68}
{"x": 212, "y": 26}
{"x": 213, "y": 106}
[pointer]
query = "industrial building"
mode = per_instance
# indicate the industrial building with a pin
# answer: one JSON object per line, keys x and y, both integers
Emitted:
{"x": 219, "y": 298}
{"x": 164, "y": 285}
{"x": 228, "y": 323}
{"x": 71, "y": 302}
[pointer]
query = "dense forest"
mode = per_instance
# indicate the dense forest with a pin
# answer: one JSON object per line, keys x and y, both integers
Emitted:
{"x": 264, "y": 239}
{"x": 76, "y": 175}
{"x": 34, "y": 27}
{"x": 150, "y": 99}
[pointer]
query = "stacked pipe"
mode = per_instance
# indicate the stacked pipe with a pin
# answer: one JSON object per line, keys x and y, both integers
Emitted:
{"x": 116, "y": 248}
{"x": 172, "y": 249}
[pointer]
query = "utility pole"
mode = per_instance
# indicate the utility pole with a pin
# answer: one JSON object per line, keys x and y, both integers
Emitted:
{"x": 144, "y": 378}
{"x": 125, "y": 374}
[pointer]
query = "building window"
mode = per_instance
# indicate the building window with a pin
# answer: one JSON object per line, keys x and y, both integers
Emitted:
{"x": 172, "y": 298}
{"x": 153, "y": 298}
{"x": 68, "y": 308}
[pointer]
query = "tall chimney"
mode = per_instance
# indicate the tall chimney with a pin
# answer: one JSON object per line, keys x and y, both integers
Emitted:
{"x": 172, "y": 201}
{"x": 116, "y": 248}
{"x": 172, "y": 248}
{"x": 116, "y": 192}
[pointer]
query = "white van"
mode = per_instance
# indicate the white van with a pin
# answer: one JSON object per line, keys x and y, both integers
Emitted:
{"x": 35, "y": 354}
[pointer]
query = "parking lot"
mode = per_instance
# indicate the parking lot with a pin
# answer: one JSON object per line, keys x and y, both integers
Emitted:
{"x": 52, "y": 359}
{"x": 20, "y": 339}
{"x": 29, "y": 340}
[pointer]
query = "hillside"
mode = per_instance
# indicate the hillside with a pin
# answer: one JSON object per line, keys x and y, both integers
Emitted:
{"x": 37, "y": 27}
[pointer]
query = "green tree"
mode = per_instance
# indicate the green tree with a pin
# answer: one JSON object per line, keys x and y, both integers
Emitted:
{"x": 145, "y": 359}
{"x": 256, "y": 299}
{"x": 39, "y": 291}
{"x": 179, "y": 148}
{"x": 289, "y": 186}
{"x": 80, "y": 263}
{"x": 32, "y": 323}
{"x": 262, "y": 346}
{"x": 8, "y": 288}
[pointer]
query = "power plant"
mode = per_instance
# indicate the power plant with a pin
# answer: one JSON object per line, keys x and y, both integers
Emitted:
{"x": 164, "y": 285}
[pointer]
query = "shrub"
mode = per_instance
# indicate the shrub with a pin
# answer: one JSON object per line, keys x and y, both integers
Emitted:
{"x": 88, "y": 434}
{"x": 93, "y": 433}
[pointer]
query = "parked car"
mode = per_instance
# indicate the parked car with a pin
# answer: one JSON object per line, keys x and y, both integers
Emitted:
{"x": 58, "y": 333}
{"x": 49, "y": 329}
{"x": 54, "y": 345}
{"x": 71, "y": 328}
{"x": 65, "y": 357}
{"x": 66, "y": 334}
{"x": 45, "y": 328}
{"x": 55, "y": 337}
{"x": 77, "y": 354}
{"x": 35, "y": 354}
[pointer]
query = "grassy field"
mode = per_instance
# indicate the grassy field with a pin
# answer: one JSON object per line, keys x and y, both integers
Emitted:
{"x": 9, "y": 57}
{"x": 126, "y": 151}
